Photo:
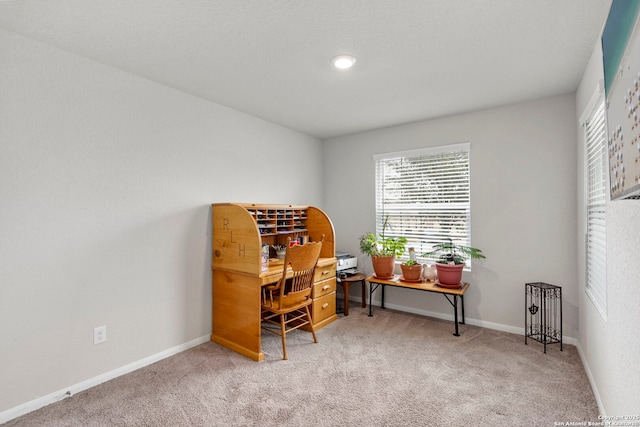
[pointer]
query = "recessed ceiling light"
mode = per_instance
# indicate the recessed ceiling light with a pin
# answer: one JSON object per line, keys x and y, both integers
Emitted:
{"x": 343, "y": 61}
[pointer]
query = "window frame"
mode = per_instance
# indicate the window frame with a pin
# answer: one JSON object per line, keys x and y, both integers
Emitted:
{"x": 455, "y": 210}
{"x": 596, "y": 198}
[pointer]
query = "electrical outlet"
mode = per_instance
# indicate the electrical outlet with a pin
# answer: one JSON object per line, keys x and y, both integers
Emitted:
{"x": 99, "y": 334}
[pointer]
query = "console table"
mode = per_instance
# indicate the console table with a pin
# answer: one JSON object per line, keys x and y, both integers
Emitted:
{"x": 450, "y": 294}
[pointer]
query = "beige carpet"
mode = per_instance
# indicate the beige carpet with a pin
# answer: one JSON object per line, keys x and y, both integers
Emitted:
{"x": 393, "y": 369}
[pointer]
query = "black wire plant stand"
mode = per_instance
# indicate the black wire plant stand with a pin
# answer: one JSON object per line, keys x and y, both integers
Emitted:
{"x": 543, "y": 313}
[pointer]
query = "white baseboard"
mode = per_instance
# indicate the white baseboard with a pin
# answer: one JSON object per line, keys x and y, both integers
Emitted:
{"x": 40, "y": 402}
{"x": 594, "y": 386}
{"x": 468, "y": 321}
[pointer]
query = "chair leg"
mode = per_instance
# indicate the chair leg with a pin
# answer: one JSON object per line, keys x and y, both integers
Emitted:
{"x": 313, "y": 329}
{"x": 284, "y": 337}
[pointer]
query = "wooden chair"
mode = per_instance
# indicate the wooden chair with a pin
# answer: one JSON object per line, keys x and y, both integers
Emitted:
{"x": 286, "y": 304}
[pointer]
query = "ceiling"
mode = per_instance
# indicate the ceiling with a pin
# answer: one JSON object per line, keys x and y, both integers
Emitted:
{"x": 416, "y": 59}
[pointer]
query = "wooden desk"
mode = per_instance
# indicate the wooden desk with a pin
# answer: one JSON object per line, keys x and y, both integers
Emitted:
{"x": 242, "y": 234}
{"x": 237, "y": 305}
{"x": 374, "y": 283}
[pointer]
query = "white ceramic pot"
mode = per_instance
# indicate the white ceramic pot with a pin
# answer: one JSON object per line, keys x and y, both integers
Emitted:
{"x": 429, "y": 272}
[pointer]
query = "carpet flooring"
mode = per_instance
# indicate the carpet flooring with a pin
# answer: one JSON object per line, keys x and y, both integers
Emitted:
{"x": 392, "y": 369}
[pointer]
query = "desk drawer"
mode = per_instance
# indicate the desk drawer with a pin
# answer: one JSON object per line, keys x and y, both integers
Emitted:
{"x": 326, "y": 272}
{"x": 323, "y": 288}
{"x": 324, "y": 307}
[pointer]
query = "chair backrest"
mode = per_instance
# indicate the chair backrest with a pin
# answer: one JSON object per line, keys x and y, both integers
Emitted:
{"x": 302, "y": 259}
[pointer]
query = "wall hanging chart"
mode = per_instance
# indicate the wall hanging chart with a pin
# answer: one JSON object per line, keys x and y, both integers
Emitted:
{"x": 621, "y": 57}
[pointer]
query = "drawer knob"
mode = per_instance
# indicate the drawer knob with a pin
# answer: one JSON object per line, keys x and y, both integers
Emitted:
{"x": 325, "y": 287}
{"x": 325, "y": 305}
{"x": 325, "y": 272}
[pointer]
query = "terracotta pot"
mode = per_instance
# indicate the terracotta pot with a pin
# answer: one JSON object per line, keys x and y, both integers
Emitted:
{"x": 411, "y": 272}
{"x": 449, "y": 274}
{"x": 383, "y": 266}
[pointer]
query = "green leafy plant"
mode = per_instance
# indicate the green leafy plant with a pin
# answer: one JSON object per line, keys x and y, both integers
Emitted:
{"x": 382, "y": 246}
{"x": 410, "y": 262}
{"x": 451, "y": 253}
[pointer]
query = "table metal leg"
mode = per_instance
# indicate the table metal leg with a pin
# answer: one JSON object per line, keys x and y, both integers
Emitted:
{"x": 455, "y": 314}
{"x": 371, "y": 289}
{"x": 462, "y": 303}
{"x": 454, "y": 304}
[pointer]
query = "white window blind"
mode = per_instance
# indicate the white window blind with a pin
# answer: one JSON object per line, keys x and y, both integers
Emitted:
{"x": 425, "y": 194}
{"x": 596, "y": 199}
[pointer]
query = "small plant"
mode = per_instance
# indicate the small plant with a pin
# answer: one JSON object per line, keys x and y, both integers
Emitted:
{"x": 451, "y": 253}
{"x": 382, "y": 246}
{"x": 411, "y": 269}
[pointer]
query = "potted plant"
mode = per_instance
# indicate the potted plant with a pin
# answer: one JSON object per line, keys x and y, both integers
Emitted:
{"x": 451, "y": 258}
{"x": 383, "y": 251}
{"x": 411, "y": 271}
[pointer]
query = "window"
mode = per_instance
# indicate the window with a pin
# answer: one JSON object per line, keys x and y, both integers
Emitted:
{"x": 425, "y": 194}
{"x": 596, "y": 198}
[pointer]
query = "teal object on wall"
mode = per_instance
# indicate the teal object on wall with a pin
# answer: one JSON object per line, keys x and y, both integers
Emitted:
{"x": 616, "y": 35}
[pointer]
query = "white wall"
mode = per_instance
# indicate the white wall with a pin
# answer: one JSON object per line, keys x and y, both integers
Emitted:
{"x": 105, "y": 186}
{"x": 611, "y": 348}
{"x": 523, "y": 203}
{"x": 106, "y": 182}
